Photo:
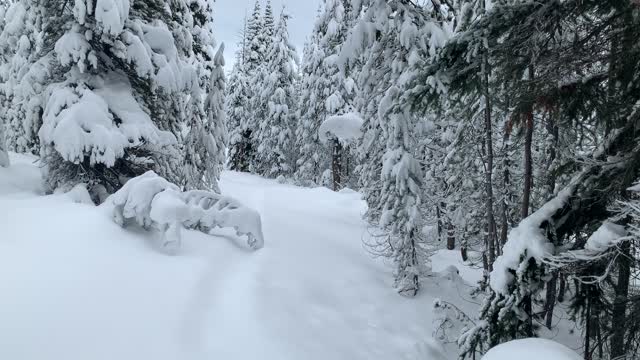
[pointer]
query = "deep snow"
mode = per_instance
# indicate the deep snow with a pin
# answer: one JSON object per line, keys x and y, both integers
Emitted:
{"x": 75, "y": 285}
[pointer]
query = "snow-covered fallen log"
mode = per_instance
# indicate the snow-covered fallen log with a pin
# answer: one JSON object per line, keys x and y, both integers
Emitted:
{"x": 152, "y": 202}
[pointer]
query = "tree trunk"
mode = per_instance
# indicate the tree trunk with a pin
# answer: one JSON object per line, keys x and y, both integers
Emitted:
{"x": 550, "y": 300}
{"x": 553, "y": 131}
{"x": 528, "y": 164}
{"x": 439, "y": 222}
{"x": 506, "y": 182}
{"x": 4, "y": 154}
{"x": 336, "y": 165}
{"x": 618, "y": 315}
{"x": 563, "y": 288}
{"x": 587, "y": 332}
{"x": 451, "y": 237}
{"x": 488, "y": 144}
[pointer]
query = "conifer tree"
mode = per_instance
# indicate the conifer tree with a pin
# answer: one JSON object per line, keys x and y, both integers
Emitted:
{"x": 207, "y": 138}
{"x": 22, "y": 75}
{"x": 326, "y": 91}
{"x": 274, "y": 133}
{"x": 393, "y": 180}
{"x": 237, "y": 104}
{"x": 243, "y": 125}
{"x": 131, "y": 66}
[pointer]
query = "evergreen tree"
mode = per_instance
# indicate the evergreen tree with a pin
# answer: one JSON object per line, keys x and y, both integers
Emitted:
{"x": 23, "y": 72}
{"x": 326, "y": 91}
{"x": 392, "y": 180}
{"x": 275, "y": 132}
{"x": 237, "y": 104}
{"x": 207, "y": 138}
{"x": 112, "y": 81}
{"x": 243, "y": 125}
{"x": 269, "y": 25}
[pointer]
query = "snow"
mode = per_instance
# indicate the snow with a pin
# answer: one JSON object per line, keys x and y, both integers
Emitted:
{"x": 345, "y": 127}
{"x": 531, "y": 349}
{"x": 443, "y": 259}
{"x": 526, "y": 240}
{"x": 75, "y": 285}
{"x": 607, "y": 235}
{"x": 73, "y": 48}
{"x": 80, "y": 121}
{"x": 111, "y": 14}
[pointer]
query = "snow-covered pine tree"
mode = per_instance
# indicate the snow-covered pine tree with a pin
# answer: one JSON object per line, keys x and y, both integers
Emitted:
{"x": 22, "y": 75}
{"x": 275, "y": 132}
{"x": 523, "y": 270}
{"x": 237, "y": 104}
{"x": 312, "y": 157}
{"x": 115, "y": 77}
{"x": 400, "y": 196}
{"x": 269, "y": 24}
{"x": 387, "y": 39}
{"x": 327, "y": 90}
{"x": 205, "y": 144}
{"x": 247, "y": 110}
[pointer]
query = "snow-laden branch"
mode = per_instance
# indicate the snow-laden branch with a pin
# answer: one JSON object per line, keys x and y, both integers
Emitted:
{"x": 345, "y": 127}
{"x": 154, "y": 203}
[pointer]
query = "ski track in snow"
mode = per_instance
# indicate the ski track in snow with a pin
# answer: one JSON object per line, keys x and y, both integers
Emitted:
{"x": 76, "y": 286}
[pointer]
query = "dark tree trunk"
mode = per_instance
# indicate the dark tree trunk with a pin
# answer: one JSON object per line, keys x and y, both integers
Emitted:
{"x": 528, "y": 164}
{"x": 587, "y": 333}
{"x": 553, "y": 131}
{"x": 618, "y": 315}
{"x": 451, "y": 237}
{"x": 488, "y": 144}
{"x": 506, "y": 182}
{"x": 439, "y": 223}
{"x": 336, "y": 165}
{"x": 463, "y": 252}
{"x": 563, "y": 288}
{"x": 550, "y": 300}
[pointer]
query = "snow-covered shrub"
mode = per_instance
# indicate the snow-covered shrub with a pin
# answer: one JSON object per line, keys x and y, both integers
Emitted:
{"x": 531, "y": 349}
{"x": 152, "y": 202}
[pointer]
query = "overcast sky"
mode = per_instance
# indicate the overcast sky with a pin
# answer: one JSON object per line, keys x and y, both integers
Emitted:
{"x": 229, "y": 15}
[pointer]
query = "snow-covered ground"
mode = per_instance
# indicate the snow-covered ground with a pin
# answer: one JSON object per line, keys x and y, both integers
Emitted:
{"x": 74, "y": 285}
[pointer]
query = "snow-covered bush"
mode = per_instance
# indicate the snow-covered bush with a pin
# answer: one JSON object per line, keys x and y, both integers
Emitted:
{"x": 531, "y": 349}
{"x": 152, "y": 202}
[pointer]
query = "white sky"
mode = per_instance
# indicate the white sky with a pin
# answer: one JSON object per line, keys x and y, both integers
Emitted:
{"x": 229, "y": 15}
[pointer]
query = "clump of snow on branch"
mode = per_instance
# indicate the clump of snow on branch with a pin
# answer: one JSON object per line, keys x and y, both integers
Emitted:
{"x": 101, "y": 121}
{"x": 607, "y": 235}
{"x": 345, "y": 127}
{"x": 527, "y": 240}
{"x": 152, "y": 202}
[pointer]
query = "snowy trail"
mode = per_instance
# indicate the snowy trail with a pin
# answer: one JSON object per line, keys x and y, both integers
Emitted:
{"x": 76, "y": 286}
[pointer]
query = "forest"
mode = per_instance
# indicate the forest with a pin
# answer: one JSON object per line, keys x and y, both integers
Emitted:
{"x": 504, "y": 132}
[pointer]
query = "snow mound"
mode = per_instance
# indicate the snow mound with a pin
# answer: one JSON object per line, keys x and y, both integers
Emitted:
{"x": 607, "y": 235}
{"x": 531, "y": 349}
{"x": 345, "y": 127}
{"x": 527, "y": 239}
{"x": 154, "y": 203}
